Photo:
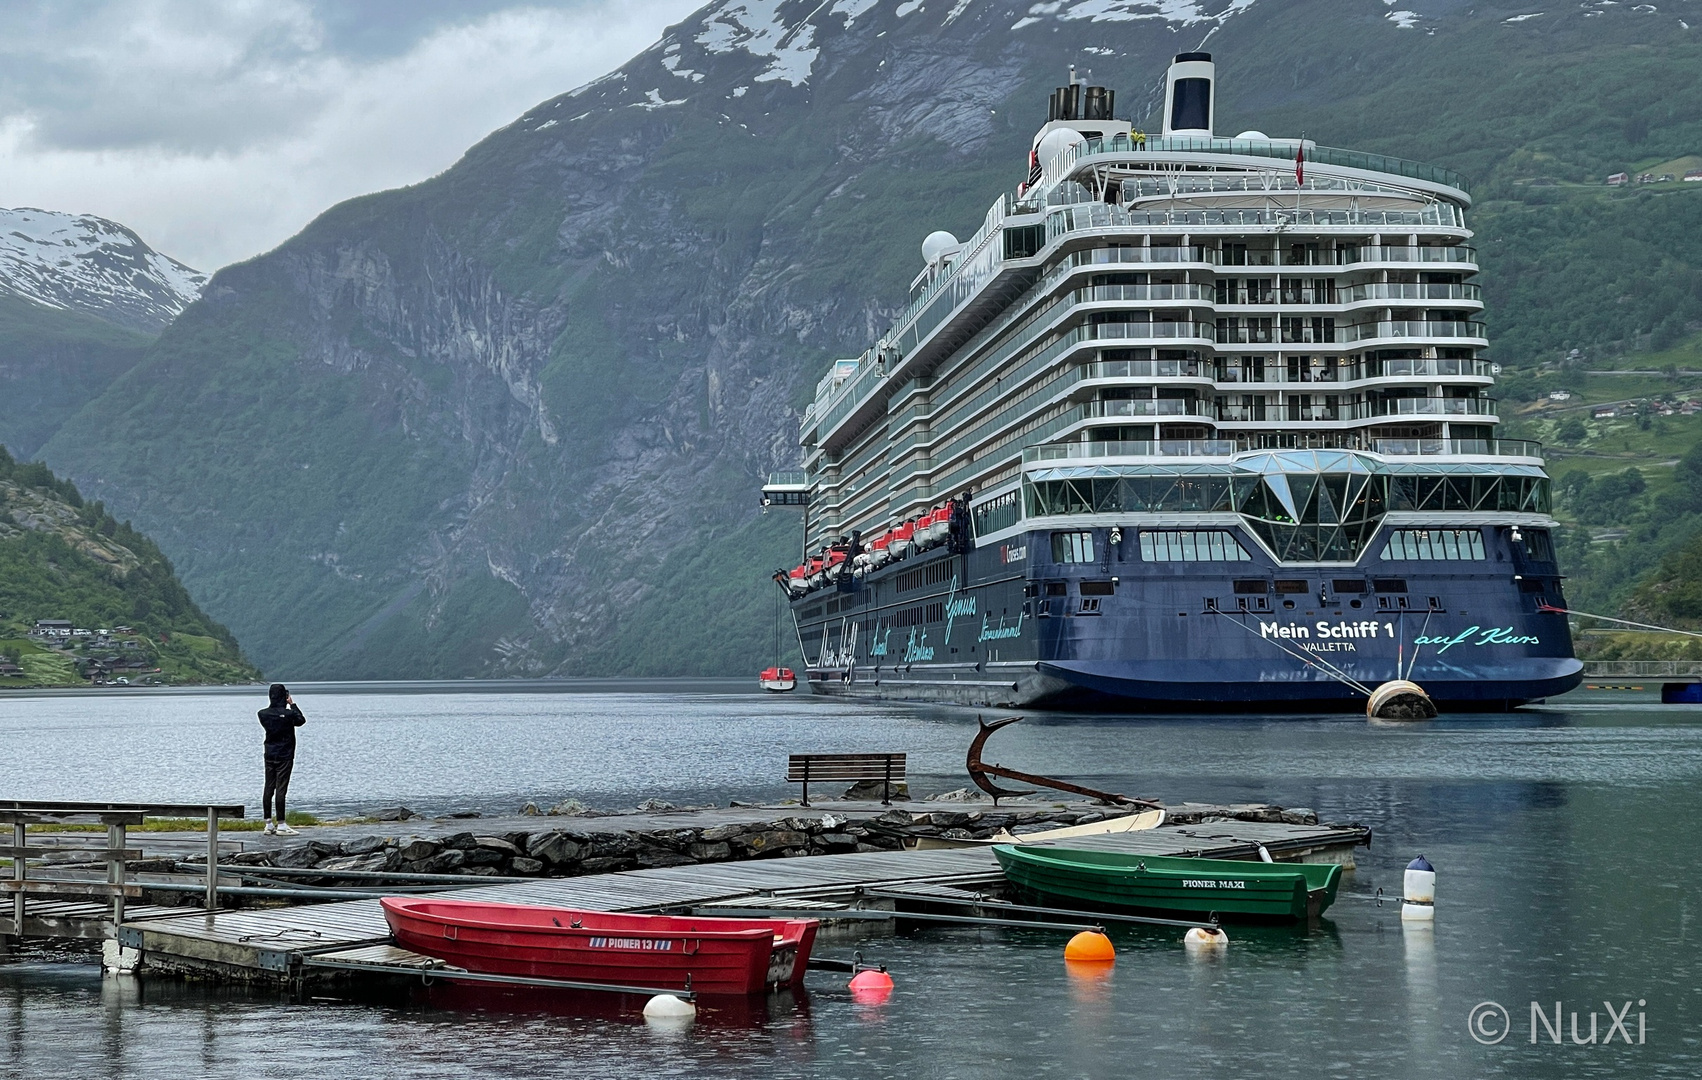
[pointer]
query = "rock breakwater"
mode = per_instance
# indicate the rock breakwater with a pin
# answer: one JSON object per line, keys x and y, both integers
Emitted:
{"x": 586, "y": 848}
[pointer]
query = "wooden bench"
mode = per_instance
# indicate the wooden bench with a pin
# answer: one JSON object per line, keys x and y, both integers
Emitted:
{"x": 887, "y": 768}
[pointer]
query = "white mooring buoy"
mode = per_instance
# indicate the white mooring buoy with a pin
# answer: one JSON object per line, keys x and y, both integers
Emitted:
{"x": 1418, "y": 895}
{"x": 1399, "y": 699}
{"x": 669, "y": 1009}
{"x": 1204, "y": 938}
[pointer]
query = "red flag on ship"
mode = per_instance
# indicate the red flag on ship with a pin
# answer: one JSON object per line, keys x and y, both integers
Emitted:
{"x": 1300, "y": 163}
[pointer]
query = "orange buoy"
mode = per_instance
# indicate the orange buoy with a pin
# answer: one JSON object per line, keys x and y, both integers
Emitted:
{"x": 1090, "y": 945}
{"x": 871, "y": 987}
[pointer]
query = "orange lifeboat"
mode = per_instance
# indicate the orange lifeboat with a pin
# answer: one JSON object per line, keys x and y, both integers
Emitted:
{"x": 777, "y": 680}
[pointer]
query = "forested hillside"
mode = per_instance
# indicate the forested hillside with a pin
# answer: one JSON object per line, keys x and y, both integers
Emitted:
{"x": 126, "y": 616}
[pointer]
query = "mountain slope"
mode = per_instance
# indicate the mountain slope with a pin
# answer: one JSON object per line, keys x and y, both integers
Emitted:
{"x": 87, "y": 264}
{"x": 52, "y": 363}
{"x": 64, "y": 559}
{"x": 511, "y": 420}
{"x": 81, "y": 298}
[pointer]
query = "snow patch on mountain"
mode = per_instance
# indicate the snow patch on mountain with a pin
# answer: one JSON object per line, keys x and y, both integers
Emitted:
{"x": 1178, "y": 12}
{"x": 851, "y": 9}
{"x": 756, "y": 27}
{"x": 79, "y": 262}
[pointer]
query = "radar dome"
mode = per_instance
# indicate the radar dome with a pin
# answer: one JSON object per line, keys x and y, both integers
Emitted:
{"x": 1261, "y": 136}
{"x": 1056, "y": 142}
{"x": 938, "y": 245}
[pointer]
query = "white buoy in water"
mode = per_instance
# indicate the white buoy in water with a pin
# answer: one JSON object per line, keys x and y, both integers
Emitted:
{"x": 1418, "y": 894}
{"x": 1203, "y": 937}
{"x": 667, "y": 1007}
{"x": 1399, "y": 699}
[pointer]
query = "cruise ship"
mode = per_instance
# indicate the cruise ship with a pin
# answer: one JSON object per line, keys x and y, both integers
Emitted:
{"x": 1189, "y": 422}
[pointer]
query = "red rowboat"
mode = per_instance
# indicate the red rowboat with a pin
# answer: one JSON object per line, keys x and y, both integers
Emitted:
{"x": 720, "y": 956}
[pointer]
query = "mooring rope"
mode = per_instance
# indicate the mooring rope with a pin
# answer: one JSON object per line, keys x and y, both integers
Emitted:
{"x": 1552, "y": 610}
{"x": 1422, "y": 631}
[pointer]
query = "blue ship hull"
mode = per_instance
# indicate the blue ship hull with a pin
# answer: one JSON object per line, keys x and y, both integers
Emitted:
{"x": 1004, "y": 625}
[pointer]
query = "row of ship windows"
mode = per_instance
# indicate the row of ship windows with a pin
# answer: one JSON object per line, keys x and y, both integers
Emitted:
{"x": 1218, "y": 545}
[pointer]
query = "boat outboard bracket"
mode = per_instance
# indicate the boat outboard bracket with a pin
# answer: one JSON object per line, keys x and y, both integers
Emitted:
{"x": 978, "y": 772}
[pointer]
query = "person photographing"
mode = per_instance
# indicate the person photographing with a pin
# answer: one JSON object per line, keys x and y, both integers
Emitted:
{"x": 280, "y": 719}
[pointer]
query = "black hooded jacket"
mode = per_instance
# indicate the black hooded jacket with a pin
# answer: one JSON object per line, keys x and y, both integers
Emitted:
{"x": 280, "y": 722}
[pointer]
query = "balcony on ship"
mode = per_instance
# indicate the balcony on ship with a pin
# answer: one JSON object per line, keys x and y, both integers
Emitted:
{"x": 1230, "y": 444}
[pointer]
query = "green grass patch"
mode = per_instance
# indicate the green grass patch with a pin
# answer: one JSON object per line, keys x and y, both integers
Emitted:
{"x": 165, "y": 825}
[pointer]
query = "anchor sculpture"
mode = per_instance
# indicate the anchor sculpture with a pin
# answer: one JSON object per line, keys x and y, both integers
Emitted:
{"x": 979, "y": 771}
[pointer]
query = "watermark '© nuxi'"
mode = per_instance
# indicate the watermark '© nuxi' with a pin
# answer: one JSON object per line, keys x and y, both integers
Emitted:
{"x": 1490, "y": 1023}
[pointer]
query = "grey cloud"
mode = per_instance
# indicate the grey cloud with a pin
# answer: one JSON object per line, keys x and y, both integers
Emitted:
{"x": 205, "y": 78}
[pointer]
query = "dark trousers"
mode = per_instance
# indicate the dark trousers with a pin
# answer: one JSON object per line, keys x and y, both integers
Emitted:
{"x": 277, "y": 784}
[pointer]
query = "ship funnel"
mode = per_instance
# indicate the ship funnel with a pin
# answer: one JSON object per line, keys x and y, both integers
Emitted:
{"x": 1189, "y": 102}
{"x": 1079, "y": 101}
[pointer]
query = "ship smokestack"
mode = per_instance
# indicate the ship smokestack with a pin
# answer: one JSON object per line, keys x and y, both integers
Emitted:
{"x": 1079, "y": 101}
{"x": 1189, "y": 102}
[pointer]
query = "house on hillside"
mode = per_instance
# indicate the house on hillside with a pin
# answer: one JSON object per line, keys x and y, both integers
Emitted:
{"x": 1560, "y": 395}
{"x": 1606, "y": 412}
{"x": 1693, "y": 175}
{"x": 1620, "y": 179}
{"x": 53, "y": 628}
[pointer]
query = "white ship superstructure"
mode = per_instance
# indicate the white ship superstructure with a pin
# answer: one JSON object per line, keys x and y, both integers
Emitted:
{"x": 1249, "y": 336}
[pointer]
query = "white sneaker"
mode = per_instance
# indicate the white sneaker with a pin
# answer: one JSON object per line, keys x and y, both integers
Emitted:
{"x": 270, "y": 828}
{"x": 285, "y": 830}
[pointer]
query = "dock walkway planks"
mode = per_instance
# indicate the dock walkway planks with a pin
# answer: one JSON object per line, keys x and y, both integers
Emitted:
{"x": 270, "y": 939}
{"x": 86, "y": 920}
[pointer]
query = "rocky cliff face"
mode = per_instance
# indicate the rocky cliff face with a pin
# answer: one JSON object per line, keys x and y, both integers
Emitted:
{"x": 512, "y": 420}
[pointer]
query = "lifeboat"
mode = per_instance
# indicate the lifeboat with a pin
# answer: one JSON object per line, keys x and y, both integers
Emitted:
{"x": 902, "y": 540}
{"x": 942, "y": 522}
{"x": 837, "y": 564}
{"x": 778, "y": 680}
{"x": 659, "y": 952}
{"x": 924, "y": 537}
{"x": 880, "y": 551}
{"x": 796, "y": 583}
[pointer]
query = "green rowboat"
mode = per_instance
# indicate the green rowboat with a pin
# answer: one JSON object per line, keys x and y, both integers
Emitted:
{"x": 1117, "y": 881}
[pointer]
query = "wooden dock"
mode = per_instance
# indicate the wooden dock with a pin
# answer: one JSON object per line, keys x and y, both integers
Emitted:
{"x": 291, "y": 945}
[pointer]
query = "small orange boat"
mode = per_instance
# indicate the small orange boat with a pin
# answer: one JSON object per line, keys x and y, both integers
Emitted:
{"x": 665, "y": 952}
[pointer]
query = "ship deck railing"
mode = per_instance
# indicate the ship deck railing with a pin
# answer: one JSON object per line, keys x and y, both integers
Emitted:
{"x": 1223, "y": 448}
{"x": 1065, "y": 164}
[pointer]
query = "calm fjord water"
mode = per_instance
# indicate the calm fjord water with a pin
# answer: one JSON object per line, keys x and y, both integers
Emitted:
{"x": 1566, "y": 839}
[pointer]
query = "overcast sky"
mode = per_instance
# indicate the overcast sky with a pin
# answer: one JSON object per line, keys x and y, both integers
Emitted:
{"x": 218, "y": 128}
